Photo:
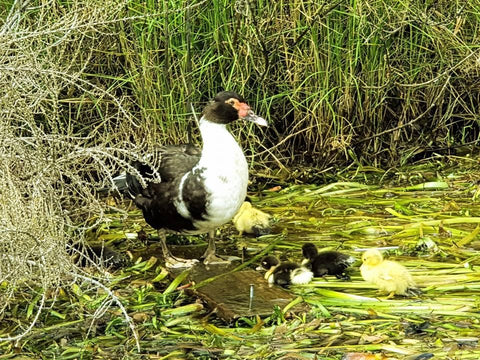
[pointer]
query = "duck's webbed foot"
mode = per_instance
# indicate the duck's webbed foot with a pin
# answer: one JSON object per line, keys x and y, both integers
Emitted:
{"x": 171, "y": 261}
{"x": 209, "y": 257}
{"x": 212, "y": 258}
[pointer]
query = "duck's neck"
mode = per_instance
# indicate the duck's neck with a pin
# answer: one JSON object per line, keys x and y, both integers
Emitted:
{"x": 218, "y": 144}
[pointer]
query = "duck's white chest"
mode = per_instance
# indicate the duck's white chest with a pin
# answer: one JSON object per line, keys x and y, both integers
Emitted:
{"x": 226, "y": 187}
{"x": 225, "y": 176}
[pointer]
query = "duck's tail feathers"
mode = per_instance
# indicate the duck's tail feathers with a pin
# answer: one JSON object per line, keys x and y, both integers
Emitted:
{"x": 414, "y": 291}
{"x": 259, "y": 230}
{"x": 350, "y": 260}
{"x": 120, "y": 186}
{"x": 120, "y": 182}
{"x": 347, "y": 261}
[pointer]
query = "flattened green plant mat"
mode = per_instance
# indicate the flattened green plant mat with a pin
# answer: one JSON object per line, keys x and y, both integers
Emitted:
{"x": 431, "y": 227}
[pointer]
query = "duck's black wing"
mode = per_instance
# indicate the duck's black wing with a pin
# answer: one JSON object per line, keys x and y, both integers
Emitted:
{"x": 159, "y": 199}
{"x": 175, "y": 161}
{"x": 331, "y": 263}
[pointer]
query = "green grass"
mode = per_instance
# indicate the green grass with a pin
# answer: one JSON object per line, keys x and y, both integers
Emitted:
{"x": 338, "y": 80}
{"x": 377, "y": 83}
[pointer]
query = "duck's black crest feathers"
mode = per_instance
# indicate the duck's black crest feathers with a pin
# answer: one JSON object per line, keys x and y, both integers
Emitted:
{"x": 220, "y": 113}
{"x": 223, "y": 96}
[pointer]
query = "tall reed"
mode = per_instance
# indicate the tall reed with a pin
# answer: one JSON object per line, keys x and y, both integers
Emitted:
{"x": 372, "y": 82}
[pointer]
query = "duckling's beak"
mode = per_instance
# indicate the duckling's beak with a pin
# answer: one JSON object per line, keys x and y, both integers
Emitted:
{"x": 251, "y": 116}
{"x": 259, "y": 268}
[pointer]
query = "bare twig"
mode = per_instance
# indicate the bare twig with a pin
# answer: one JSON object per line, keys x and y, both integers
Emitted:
{"x": 32, "y": 324}
{"x": 128, "y": 319}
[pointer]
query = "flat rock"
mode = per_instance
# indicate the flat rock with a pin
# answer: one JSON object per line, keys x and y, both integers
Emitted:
{"x": 228, "y": 293}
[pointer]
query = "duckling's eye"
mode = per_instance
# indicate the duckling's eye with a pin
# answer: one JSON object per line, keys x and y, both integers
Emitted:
{"x": 230, "y": 102}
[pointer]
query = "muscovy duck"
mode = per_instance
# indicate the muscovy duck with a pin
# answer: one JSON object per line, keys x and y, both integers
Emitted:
{"x": 285, "y": 273}
{"x": 326, "y": 262}
{"x": 199, "y": 189}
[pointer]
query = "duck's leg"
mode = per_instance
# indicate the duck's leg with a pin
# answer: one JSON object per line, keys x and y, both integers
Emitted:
{"x": 170, "y": 260}
{"x": 209, "y": 256}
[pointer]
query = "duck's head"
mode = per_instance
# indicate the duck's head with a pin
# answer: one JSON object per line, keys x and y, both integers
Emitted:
{"x": 268, "y": 262}
{"x": 246, "y": 206}
{"x": 309, "y": 251}
{"x": 372, "y": 257}
{"x": 228, "y": 106}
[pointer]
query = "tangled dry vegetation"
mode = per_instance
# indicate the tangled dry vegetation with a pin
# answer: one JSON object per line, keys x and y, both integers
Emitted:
{"x": 50, "y": 166}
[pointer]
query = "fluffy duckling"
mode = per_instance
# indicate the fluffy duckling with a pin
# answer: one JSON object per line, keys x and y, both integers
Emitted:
{"x": 285, "y": 273}
{"x": 251, "y": 220}
{"x": 326, "y": 262}
{"x": 390, "y": 276}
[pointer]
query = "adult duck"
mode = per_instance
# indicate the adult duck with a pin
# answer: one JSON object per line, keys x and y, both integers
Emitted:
{"x": 198, "y": 190}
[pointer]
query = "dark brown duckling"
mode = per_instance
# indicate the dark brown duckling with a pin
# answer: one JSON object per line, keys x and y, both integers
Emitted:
{"x": 326, "y": 262}
{"x": 285, "y": 273}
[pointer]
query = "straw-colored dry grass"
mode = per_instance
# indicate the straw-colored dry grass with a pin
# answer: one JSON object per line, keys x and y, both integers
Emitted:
{"x": 62, "y": 136}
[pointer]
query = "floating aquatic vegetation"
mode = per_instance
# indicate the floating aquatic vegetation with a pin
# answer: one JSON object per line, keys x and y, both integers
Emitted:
{"x": 428, "y": 234}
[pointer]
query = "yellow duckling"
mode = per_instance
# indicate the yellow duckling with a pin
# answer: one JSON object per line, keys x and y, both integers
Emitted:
{"x": 251, "y": 220}
{"x": 390, "y": 276}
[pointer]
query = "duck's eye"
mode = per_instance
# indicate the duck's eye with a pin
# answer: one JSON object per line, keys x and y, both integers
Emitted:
{"x": 230, "y": 102}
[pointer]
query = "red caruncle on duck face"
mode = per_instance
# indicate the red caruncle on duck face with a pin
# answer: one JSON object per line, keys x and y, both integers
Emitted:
{"x": 242, "y": 108}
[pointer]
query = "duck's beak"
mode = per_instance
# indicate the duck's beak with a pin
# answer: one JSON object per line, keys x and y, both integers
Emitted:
{"x": 245, "y": 113}
{"x": 251, "y": 116}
